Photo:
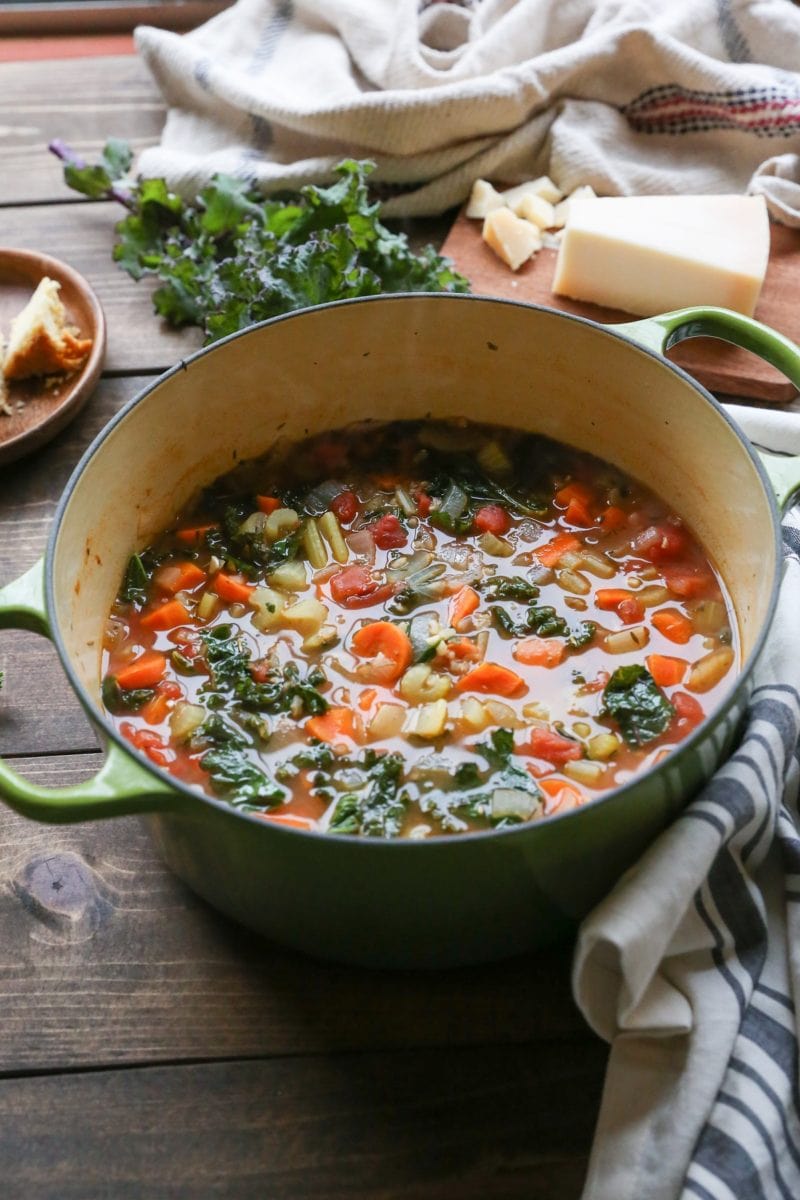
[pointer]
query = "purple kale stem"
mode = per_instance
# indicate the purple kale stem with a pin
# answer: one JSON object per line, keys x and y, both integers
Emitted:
{"x": 68, "y": 155}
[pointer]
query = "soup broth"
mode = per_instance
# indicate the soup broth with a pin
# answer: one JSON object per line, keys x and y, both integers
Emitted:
{"x": 417, "y": 629}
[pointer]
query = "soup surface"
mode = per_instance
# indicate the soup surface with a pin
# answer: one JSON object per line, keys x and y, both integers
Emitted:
{"x": 417, "y": 629}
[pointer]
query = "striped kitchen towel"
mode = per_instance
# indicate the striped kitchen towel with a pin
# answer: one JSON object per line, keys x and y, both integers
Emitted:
{"x": 691, "y": 96}
{"x": 691, "y": 966}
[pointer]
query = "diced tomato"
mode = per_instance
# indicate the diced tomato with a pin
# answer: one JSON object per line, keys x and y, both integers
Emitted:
{"x": 578, "y": 514}
{"x": 688, "y": 712}
{"x": 268, "y": 504}
{"x": 492, "y": 518}
{"x": 687, "y": 581}
{"x": 148, "y": 741}
{"x": 423, "y": 503}
{"x": 660, "y": 543}
{"x": 613, "y": 518}
{"x": 555, "y": 749}
{"x": 574, "y": 491}
{"x": 388, "y": 532}
{"x": 345, "y": 505}
{"x": 356, "y": 587}
{"x": 630, "y": 610}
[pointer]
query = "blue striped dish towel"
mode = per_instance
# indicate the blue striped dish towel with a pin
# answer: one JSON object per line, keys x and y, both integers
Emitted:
{"x": 691, "y": 966}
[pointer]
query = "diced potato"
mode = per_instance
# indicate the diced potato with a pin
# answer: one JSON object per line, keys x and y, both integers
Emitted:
{"x": 185, "y": 718}
{"x": 326, "y": 635}
{"x": 269, "y": 606}
{"x": 279, "y": 523}
{"x": 427, "y": 721}
{"x": 388, "y": 721}
{"x": 514, "y": 802}
{"x": 581, "y": 729}
{"x": 497, "y": 546}
{"x": 483, "y": 198}
{"x": 708, "y": 671}
{"x": 331, "y": 530}
{"x": 535, "y": 209}
{"x": 543, "y": 186}
{"x": 306, "y": 616}
{"x": 207, "y": 608}
{"x": 291, "y": 576}
{"x": 473, "y": 715}
{"x": 314, "y": 545}
{"x": 536, "y": 711}
{"x": 602, "y": 746}
{"x": 561, "y": 215}
{"x": 582, "y": 771}
{"x": 421, "y": 683}
{"x": 511, "y": 238}
{"x": 502, "y": 714}
{"x": 625, "y": 640}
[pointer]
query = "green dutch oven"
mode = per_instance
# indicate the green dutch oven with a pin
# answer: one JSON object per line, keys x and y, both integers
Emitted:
{"x": 606, "y": 390}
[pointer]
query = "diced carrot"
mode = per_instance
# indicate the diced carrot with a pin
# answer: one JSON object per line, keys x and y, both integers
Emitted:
{"x": 551, "y": 746}
{"x": 294, "y": 822}
{"x": 335, "y": 724}
{"x": 465, "y": 601}
{"x": 666, "y": 670}
{"x": 166, "y": 616}
{"x": 366, "y": 698}
{"x": 232, "y": 588}
{"x": 578, "y": 513}
{"x": 539, "y": 652}
{"x": 609, "y": 598}
{"x": 268, "y": 504}
{"x": 145, "y": 671}
{"x": 630, "y": 610}
{"x": 493, "y": 678}
{"x": 613, "y": 518}
{"x": 673, "y": 624}
{"x": 574, "y": 491}
{"x": 155, "y": 711}
{"x": 190, "y": 537}
{"x": 180, "y": 576}
{"x": 561, "y": 796}
{"x": 463, "y": 648}
{"x": 387, "y": 639}
{"x": 549, "y": 554}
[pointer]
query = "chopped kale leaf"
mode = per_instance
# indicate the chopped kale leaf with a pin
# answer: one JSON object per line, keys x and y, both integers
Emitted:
{"x": 635, "y": 701}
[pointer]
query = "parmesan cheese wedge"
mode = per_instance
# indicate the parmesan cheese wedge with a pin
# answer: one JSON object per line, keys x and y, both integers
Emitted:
{"x": 536, "y": 210}
{"x": 543, "y": 186}
{"x": 511, "y": 238}
{"x": 561, "y": 211}
{"x": 483, "y": 198}
{"x": 650, "y": 254}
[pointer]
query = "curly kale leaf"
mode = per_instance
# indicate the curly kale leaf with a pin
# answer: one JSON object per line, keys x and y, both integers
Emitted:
{"x": 635, "y": 701}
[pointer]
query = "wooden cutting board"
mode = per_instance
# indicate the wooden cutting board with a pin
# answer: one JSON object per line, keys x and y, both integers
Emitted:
{"x": 717, "y": 365}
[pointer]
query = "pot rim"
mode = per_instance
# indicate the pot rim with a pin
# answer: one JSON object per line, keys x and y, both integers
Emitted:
{"x": 99, "y": 719}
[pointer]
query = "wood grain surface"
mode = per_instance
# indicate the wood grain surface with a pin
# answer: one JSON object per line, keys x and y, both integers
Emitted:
{"x": 151, "y": 1049}
{"x": 716, "y": 364}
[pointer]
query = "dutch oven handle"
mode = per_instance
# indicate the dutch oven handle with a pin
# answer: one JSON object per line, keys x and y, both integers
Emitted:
{"x": 120, "y": 787}
{"x": 662, "y": 332}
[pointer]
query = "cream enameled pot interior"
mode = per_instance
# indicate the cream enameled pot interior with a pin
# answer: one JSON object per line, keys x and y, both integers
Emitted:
{"x": 407, "y": 357}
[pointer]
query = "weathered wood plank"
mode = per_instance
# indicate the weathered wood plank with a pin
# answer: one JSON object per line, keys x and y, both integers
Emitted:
{"x": 106, "y": 958}
{"x": 83, "y": 101}
{"x": 470, "y": 1123}
{"x": 38, "y": 710}
{"x": 83, "y": 236}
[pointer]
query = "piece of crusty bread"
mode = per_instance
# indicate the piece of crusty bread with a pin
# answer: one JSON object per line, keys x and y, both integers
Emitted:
{"x": 39, "y": 342}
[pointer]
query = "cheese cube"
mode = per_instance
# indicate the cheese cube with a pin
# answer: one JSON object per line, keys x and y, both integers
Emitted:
{"x": 483, "y": 198}
{"x": 511, "y": 238}
{"x": 561, "y": 211}
{"x": 650, "y": 254}
{"x": 536, "y": 210}
{"x": 543, "y": 186}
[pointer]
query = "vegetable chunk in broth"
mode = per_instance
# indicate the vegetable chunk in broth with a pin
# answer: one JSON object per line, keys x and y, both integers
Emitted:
{"x": 417, "y": 629}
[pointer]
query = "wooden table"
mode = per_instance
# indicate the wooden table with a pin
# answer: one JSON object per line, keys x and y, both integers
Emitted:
{"x": 148, "y": 1047}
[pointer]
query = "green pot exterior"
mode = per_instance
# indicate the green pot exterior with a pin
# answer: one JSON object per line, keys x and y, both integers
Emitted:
{"x": 447, "y": 901}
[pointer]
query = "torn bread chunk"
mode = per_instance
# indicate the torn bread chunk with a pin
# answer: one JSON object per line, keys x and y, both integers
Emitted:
{"x": 40, "y": 342}
{"x": 483, "y": 198}
{"x": 512, "y": 239}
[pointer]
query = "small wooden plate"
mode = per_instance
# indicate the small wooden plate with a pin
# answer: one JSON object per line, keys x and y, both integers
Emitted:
{"x": 48, "y": 402}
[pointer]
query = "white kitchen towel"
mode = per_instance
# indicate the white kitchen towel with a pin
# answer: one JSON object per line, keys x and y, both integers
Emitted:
{"x": 631, "y": 96}
{"x": 691, "y": 966}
